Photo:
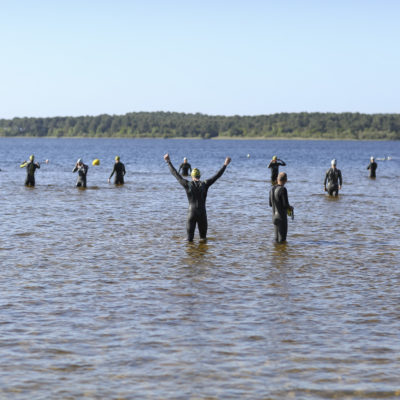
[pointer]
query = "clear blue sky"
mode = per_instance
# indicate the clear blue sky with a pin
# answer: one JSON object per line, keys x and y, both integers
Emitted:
{"x": 251, "y": 57}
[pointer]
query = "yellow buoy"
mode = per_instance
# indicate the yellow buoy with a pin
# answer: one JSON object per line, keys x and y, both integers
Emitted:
{"x": 96, "y": 162}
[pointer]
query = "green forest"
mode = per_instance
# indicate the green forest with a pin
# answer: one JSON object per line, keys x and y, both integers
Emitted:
{"x": 179, "y": 125}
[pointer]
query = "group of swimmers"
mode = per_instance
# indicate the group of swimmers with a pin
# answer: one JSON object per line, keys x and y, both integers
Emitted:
{"x": 80, "y": 167}
{"x": 196, "y": 190}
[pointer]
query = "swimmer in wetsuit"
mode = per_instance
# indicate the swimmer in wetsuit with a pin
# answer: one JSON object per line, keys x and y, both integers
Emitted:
{"x": 274, "y": 165}
{"x": 372, "y": 168}
{"x": 185, "y": 167}
{"x": 334, "y": 178}
{"x": 82, "y": 172}
{"x": 278, "y": 200}
{"x": 30, "y": 170}
{"x": 196, "y": 192}
{"x": 119, "y": 169}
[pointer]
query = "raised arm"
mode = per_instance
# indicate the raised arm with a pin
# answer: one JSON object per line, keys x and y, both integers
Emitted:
{"x": 23, "y": 165}
{"x": 174, "y": 172}
{"x": 210, "y": 181}
{"x": 281, "y": 162}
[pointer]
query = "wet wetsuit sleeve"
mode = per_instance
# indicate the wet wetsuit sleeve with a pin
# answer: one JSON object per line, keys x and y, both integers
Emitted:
{"x": 340, "y": 178}
{"x": 270, "y": 165}
{"x": 282, "y": 163}
{"x": 190, "y": 169}
{"x": 175, "y": 173}
{"x": 75, "y": 169}
{"x": 369, "y": 166}
{"x": 23, "y": 165}
{"x": 123, "y": 169}
{"x": 285, "y": 200}
{"x": 326, "y": 177}
{"x": 37, "y": 165}
{"x": 112, "y": 173}
{"x": 271, "y": 193}
{"x": 180, "y": 167}
{"x": 210, "y": 181}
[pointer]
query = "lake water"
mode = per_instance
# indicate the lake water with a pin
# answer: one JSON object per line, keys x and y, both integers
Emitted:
{"x": 102, "y": 298}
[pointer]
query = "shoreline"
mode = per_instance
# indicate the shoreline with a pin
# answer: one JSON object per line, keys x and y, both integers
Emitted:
{"x": 260, "y": 138}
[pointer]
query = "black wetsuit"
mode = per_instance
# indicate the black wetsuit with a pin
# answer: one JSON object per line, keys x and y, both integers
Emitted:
{"x": 119, "y": 170}
{"x": 372, "y": 168}
{"x": 334, "y": 179}
{"x": 196, "y": 192}
{"x": 275, "y": 169}
{"x": 278, "y": 200}
{"x": 82, "y": 172}
{"x": 186, "y": 169}
{"x": 30, "y": 173}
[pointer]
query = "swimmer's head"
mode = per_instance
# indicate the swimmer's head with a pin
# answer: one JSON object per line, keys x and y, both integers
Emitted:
{"x": 372, "y": 159}
{"x": 79, "y": 161}
{"x": 31, "y": 157}
{"x": 282, "y": 177}
{"x": 117, "y": 158}
{"x": 185, "y": 159}
{"x": 274, "y": 158}
{"x": 333, "y": 162}
{"x": 195, "y": 173}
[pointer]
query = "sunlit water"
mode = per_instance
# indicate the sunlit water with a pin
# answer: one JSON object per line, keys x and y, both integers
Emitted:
{"x": 101, "y": 296}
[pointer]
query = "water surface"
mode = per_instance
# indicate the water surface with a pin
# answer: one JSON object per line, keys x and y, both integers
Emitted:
{"x": 101, "y": 296}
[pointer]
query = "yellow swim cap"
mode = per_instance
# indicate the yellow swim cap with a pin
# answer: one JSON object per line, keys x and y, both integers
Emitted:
{"x": 116, "y": 158}
{"x": 32, "y": 157}
{"x": 274, "y": 157}
{"x": 195, "y": 173}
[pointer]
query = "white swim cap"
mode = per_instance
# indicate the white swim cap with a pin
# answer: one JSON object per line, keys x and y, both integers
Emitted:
{"x": 333, "y": 162}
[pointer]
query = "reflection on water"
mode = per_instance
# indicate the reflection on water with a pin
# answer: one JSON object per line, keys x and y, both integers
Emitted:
{"x": 102, "y": 297}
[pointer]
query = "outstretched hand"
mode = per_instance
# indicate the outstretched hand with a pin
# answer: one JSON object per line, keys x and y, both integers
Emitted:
{"x": 227, "y": 161}
{"x": 166, "y": 157}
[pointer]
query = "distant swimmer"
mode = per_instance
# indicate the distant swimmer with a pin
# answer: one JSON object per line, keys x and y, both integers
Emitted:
{"x": 278, "y": 200}
{"x": 372, "y": 168}
{"x": 334, "y": 178}
{"x": 196, "y": 192}
{"x": 30, "y": 170}
{"x": 274, "y": 165}
{"x": 82, "y": 172}
{"x": 119, "y": 170}
{"x": 185, "y": 167}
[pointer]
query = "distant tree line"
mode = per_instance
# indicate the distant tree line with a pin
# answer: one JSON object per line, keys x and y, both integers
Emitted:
{"x": 171, "y": 125}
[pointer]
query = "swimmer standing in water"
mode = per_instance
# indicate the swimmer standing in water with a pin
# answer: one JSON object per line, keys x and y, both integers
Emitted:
{"x": 334, "y": 178}
{"x": 119, "y": 169}
{"x": 30, "y": 170}
{"x": 82, "y": 172}
{"x": 274, "y": 166}
{"x": 196, "y": 192}
{"x": 372, "y": 168}
{"x": 185, "y": 167}
{"x": 278, "y": 200}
